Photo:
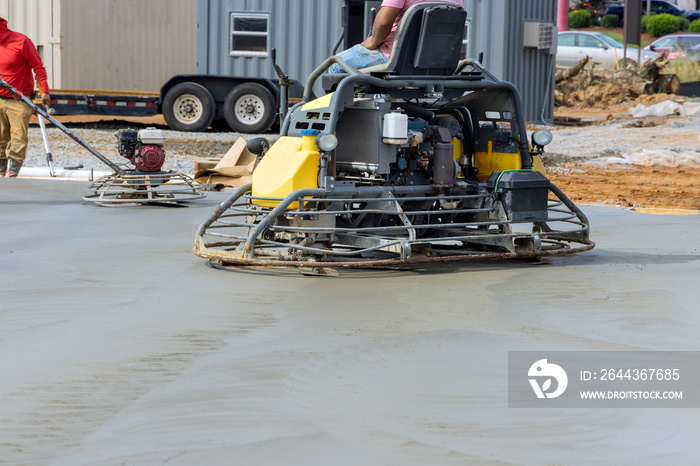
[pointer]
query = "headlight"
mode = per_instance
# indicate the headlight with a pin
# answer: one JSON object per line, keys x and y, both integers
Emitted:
{"x": 541, "y": 137}
{"x": 326, "y": 142}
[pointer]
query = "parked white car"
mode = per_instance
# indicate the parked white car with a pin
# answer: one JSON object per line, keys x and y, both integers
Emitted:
{"x": 605, "y": 51}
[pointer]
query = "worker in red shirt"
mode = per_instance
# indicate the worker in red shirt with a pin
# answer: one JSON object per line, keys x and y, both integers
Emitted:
{"x": 18, "y": 57}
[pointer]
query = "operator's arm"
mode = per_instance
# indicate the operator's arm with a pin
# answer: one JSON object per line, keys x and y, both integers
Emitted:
{"x": 382, "y": 26}
{"x": 30, "y": 54}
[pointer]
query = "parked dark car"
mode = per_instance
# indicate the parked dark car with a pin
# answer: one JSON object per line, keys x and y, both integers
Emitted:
{"x": 685, "y": 44}
{"x": 657, "y": 7}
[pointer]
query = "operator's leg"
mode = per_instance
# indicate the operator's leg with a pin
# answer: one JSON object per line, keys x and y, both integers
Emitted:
{"x": 18, "y": 115}
{"x": 358, "y": 56}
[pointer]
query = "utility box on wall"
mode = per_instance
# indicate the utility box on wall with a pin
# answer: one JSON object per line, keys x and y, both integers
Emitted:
{"x": 538, "y": 35}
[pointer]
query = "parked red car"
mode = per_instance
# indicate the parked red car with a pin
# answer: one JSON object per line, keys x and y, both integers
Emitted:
{"x": 685, "y": 44}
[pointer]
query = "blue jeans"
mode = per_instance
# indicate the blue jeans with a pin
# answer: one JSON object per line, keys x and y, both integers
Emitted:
{"x": 359, "y": 57}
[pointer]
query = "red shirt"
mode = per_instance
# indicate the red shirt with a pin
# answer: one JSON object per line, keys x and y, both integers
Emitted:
{"x": 18, "y": 57}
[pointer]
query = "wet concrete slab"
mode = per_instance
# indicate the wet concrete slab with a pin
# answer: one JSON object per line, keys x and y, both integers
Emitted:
{"x": 119, "y": 346}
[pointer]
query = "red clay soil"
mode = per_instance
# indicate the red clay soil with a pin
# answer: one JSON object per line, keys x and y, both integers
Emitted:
{"x": 650, "y": 187}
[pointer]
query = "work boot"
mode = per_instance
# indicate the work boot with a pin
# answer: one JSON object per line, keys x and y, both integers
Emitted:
{"x": 13, "y": 168}
{"x": 3, "y": 167}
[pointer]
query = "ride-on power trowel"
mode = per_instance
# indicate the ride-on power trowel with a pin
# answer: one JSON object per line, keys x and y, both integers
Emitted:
{"x": 422, "y": 159}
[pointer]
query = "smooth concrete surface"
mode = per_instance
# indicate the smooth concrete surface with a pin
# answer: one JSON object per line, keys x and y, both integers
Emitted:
{"x": 119, "y": 346}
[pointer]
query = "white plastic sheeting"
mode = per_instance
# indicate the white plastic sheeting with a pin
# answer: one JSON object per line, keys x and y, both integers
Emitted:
{"x": 43, "y": 172}
{"x": 660, "y": 158}
{"x": 665, "y": 108}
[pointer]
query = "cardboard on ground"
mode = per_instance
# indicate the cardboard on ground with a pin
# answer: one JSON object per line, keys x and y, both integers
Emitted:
{"x": 234, "y": 169}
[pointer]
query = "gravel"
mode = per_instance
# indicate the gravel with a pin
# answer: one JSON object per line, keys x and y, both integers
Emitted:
{"x": 601, "y": 139}
{"x": 181, "y": 148}
{"x": 618, "y": 137}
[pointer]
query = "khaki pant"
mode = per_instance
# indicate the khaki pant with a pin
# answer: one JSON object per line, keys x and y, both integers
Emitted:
{"x": 14, "y": 127}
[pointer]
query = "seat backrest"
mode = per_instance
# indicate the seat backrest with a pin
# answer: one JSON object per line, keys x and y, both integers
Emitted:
{"x": 428, "y": 41}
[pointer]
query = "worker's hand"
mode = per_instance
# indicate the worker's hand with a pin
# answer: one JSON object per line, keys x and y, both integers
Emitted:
{"x": 46, "y": 99}
{"x": 368, "y": 43}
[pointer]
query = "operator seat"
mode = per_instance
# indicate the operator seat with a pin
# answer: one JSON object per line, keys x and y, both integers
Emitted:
{"x": 427, "y": 42}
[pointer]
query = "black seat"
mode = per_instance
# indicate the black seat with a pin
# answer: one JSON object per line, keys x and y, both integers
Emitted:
{"x": 427, "y": 42}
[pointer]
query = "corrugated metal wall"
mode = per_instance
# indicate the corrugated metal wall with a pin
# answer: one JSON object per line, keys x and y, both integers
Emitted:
{"x": 40, "y": 21}
{"x": 129, "y": 45}
{"x": 302, "y": 31}
{"x": 497, "y": 31}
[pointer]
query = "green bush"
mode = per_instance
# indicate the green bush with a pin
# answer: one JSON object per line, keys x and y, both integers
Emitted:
{"x": 683, "y": 23}
{"x": 694, "y": 26}
{"x": 661, "y": 25}
{"x": 610, "y": 21}
{"x": 580, "y": 19}
{"x": 645, "y": 20}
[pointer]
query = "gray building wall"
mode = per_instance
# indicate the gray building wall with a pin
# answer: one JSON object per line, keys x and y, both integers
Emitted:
{"x": 125, "y": 44}
{"x": 302, "y": 31}
{"x": 497, "y": 29}
{"x": 134, "y": 45}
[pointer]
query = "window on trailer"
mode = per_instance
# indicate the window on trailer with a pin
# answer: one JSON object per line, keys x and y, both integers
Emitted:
{"x": 249, "y": 34}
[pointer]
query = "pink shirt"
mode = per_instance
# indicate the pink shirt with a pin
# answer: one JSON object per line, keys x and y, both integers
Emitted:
{"x": 404, "y": 5}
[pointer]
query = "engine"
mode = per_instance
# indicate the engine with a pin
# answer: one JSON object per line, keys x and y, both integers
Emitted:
{"x": 143, "y": 148}
{"x": 403, "y": 146}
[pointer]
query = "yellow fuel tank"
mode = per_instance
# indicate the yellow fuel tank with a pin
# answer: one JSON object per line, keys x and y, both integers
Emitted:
{"x": 289, "y": 165}
{"x": 489, "y": 162}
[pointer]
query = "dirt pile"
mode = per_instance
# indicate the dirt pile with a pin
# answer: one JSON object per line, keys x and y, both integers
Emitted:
{"x": 617, "y": 159}
{"x": 584, "y": 84}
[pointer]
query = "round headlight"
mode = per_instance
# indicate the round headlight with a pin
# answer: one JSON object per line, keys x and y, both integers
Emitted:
{"x": 541, "y": 137}
{"x": 326, "y": 142}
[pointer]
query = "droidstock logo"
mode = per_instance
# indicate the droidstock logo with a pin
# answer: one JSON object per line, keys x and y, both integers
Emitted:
{"x": 543, "y": 373}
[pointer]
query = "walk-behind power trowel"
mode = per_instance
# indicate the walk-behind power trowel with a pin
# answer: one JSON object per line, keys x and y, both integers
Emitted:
{"x": 147, "y": 183}
{"x": 423, "y": 159}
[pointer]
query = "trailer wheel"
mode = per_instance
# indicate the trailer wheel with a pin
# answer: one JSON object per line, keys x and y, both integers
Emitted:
{"x": 188, "y": 107}
{"x": 249, "y": 108}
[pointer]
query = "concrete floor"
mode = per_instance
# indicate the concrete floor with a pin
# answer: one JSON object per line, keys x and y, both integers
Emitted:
{"x": 119, "y": 346}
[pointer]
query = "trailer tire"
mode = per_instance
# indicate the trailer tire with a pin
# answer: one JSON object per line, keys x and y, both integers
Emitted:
{"x": 189, "y": 107}
{"x": 250, "y": 108}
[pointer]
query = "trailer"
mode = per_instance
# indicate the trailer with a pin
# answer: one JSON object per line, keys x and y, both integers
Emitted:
{"x": 113, "y": 103}
{"x": 188, "y": 102}
{"x": 237, "y": 84}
